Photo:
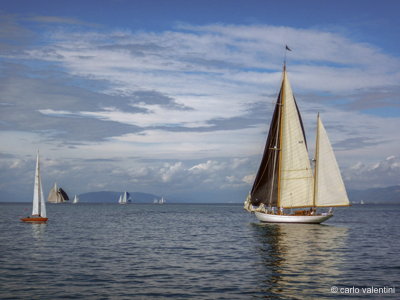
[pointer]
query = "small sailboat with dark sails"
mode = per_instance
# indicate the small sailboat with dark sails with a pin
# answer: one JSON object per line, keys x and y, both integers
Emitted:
{"x": 286, "y": 188}
{"x": 57, "y": 195}
{"x": 38, "y": 204}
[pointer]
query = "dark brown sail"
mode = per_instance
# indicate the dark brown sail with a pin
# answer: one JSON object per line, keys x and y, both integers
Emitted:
{"x": 265, "y": 187}
{"x": 63, "y": 194}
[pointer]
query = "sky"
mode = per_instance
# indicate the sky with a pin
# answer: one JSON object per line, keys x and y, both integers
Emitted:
{"x": 175, "y": 97}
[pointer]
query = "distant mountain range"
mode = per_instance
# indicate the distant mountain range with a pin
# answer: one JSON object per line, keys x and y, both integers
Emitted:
{"x": 112, "y": 197}
{"x": 389, "y": 194}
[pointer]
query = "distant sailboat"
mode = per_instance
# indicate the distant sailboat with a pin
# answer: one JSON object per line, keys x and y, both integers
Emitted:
{"x": 38, "y": 203}
{"x": 285, "y": 179}
{"x": 125, "y": 198}
{"x": 57, "y": 195}
{"x": 76, "y": 199}
{"x": 159, "y": 201}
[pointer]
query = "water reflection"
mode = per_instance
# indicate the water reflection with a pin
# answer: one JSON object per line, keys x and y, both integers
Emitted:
{"x": 38, "y": 231}
{"x": 299, "y": 260}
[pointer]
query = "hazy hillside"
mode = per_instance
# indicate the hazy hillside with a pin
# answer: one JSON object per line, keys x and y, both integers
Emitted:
{"x": 389, "y": 194}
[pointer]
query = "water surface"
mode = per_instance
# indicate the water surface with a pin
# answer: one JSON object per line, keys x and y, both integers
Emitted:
{"x": 111, "y": 251}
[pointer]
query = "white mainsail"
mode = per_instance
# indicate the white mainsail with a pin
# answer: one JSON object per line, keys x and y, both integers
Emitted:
{"x": 53, "y": 195}
{"x": 76, "y": 199}
{"x": 39, "y": 205}
{"x": 295, "y": 176}
{"x": 329, "y": 186}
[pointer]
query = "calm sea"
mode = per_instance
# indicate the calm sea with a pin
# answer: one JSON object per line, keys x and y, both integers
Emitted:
{"x": 111, "y": 251}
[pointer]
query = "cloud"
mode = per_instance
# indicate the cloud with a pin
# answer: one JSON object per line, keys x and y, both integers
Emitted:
{"x": 376, "y": 174}
{"x": 13, "y": 36}
{"x": 357, "y": 142}
{"x": 168, "y": 171}
{"x": 208, "y": 167}
{"x": 58, "y": 20}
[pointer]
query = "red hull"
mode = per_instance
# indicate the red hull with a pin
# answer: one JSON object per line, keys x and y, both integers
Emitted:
{"x": 34, "y": 220}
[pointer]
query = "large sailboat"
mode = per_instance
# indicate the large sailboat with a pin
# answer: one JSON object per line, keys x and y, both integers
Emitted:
{"x": 286, "y": 188}
{"x": 38, "y": 203}
{"x": 57, "y": 195}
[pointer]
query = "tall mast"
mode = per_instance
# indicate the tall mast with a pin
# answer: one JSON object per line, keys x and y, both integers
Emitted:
{"x": 316, "y": 158}
{"x": 283, "y": 95}
{"x": 39, "y": 185}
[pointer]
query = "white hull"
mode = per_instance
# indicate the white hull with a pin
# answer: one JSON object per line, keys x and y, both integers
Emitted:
{"x": 268, "y": 218}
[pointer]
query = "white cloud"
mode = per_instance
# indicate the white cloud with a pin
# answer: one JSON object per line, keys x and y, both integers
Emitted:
{"x": 18, "y": 163}
{"x": 168, "y": 171}
{"x": 249, "y": 179}
{"x": 207, "y": 167}
{"x": 375, "y": 174}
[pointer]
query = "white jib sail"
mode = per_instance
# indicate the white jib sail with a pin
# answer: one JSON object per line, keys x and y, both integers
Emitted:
{"x": 125, "y": 198}
{"x": 330, "y": 189}
{"x": 39, "y": 206}
{"x": 36, "y": 190}
{"x": 296, "y": 177}
{"x": 42, "y": 201}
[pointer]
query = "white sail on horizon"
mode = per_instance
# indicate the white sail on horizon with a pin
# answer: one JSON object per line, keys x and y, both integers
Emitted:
{"x": 57, "y": 195}
{"x": 124, "y": 198}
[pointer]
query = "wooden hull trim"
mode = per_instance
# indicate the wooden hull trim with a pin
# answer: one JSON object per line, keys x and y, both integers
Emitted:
{"x": 34, "y": 220}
